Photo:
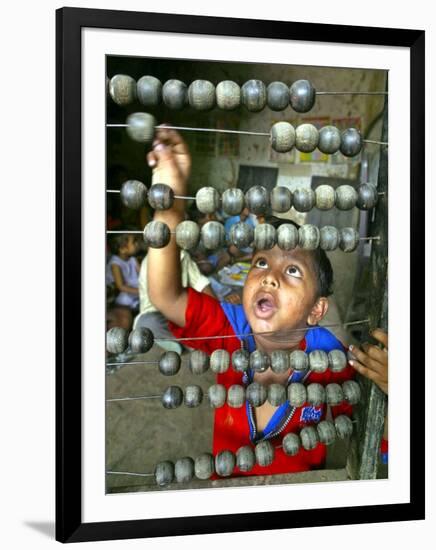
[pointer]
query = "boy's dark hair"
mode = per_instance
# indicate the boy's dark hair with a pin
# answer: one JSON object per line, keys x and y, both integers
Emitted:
{"x": 323, "y": 266}
{"x": 117, "y": 241}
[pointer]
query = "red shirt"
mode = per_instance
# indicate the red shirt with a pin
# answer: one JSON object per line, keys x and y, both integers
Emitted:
{"x": 205, "y": 317}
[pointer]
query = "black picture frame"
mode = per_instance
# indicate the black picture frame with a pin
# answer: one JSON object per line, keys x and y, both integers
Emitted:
{"x": 69, "y": 22}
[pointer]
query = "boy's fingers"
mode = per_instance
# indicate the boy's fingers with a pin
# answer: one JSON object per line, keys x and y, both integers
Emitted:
{"x": 170, "y": 137}
{"x": 151, "y": 159}
{"x": 363, "y": 370}
{"x": 381, "y": 336}
{"x": 374, "y": 352}
{"x": 364, "y": 359}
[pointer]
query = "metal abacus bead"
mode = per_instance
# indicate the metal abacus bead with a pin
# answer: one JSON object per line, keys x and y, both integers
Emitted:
{"x": 326, "y": 432}
{"x": 141, "y": 339}
{"x": 217, "y": 395}
{"x": 207, "y": 200}
{"x": 264, "y": 452}
{"x": 337, "y": 360}
{"x": 175, "y": 94}
{"x": 346, "y": 197}
{"x": 324, "y": 197}
{"x": 236, "y": 396}
{"x": 141, "y": 127}
{"x": 259, "y": 361}
{"x": 351, "y": 142}
{"x": 172, "y": 397}
{"x": 212, "y": 235}
{"x": 156, "y": 234}
{"x": 306, "y": 138}
{"x": 291, "y": 444}
{"x": 352, "y": 392}
{"x": 329, "y": 140}
{"x": 280, "y": 361}
{"x": 160, "y": 196}
{"x": 122, "y": 89}
{"x": 187, "y": 235}
{"x": 344, "y": 426}
{"x": 253, "y": 95}
{"x": 304, "y": 199}
{"x": 309, "y": 438}
{"x": 225, "y": 462}
{"x": 276, "y": 394}
{"x": 366, "y": 196}
{"x": 245, "y": 458}
{"x": 298, "y": 360}
{"x": 241, "y": 360}
{"x": 233, "y": 201}
{"x": 149, "y": 91}
{"x": 133, "y": 194}
{"x": 308, "y": 236}
{"x": 328, "y": 237}
{"x": 315, "y": 394}
{"x": 348, "y": 239}
{"x": 257, "y": 199}
{"x": 204, "y": 466}
{"x": 297, "y": 394}
{"x": 318, "y": 361}
{"x": 256, "y": 394}
{"x": 228, "y": 95}
{"x": 219, "y": 361}
{"x": 334, "y": 394}
{"x": 281, "y": 199}
{"x": 198, "y": 361}
{"x": 264, "y": 236}
{"x": 302, "y": 96}
{"x": 116, "y": 340}
{"x": 283, "y": 137}
{"x": 287, "y": 236}
{"x": 241, "y": 234}
{"x": 164, "y": 473}
{"x": 193, "y": 396}
{"x": 184, "y": 469}
{"x": 277, "y": 96}
{"x": 201, "y": 95}
{"x": 169, "y": 363}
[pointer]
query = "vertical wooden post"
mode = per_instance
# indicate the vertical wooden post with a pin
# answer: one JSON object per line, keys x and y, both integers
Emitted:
{"x": 363, "y": 459}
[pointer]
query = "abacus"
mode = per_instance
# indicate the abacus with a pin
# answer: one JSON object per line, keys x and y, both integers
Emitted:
{"x": 137, "y": 103}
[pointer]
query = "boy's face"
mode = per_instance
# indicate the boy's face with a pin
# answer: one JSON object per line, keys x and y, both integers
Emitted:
{"x": 281, "y": 291}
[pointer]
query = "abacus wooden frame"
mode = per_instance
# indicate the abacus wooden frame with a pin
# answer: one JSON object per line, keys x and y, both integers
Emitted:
{"x": 70, "y": 21}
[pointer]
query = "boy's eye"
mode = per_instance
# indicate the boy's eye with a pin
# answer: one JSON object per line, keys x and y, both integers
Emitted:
{"x": 261, "y": 262}
{"x": 294, "y": 271}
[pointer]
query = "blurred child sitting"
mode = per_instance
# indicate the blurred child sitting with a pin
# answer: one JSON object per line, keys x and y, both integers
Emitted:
{"x": 122, "y": 270}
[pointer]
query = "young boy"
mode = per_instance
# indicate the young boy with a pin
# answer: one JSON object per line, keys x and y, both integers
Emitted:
{"x": 284, "y": 299}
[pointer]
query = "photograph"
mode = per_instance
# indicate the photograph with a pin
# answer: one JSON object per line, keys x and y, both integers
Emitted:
{"x": 246, "y": 279}
{"x": 240, "y": 243}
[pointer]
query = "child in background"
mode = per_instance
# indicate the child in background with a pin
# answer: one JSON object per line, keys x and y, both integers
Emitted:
{"x": 284, "y": 299}
{"x": 122, "y": 270}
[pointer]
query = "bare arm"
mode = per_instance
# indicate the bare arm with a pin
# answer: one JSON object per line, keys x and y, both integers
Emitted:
{"x": 119, "y": 281}
{"x": 171, "y": 165}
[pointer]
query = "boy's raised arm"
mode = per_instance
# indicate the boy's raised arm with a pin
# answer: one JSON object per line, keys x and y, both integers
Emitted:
{"x": 171, "y": 165}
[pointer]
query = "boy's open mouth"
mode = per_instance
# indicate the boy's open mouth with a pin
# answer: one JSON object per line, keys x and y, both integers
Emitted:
{"x": 264, "y": 305}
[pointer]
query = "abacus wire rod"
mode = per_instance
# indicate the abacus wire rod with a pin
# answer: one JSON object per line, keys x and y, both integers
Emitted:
{"x": 129, "y": 474}
{"x": 175, "y": 196}
{"x": 191, "y": 129}
{"x": 139, "y": 397}
{"x": 375, "y": 142}
{"x": 351, "y": 93}
{"x": 330, "y": 325}
{"x": 133, "y": 363}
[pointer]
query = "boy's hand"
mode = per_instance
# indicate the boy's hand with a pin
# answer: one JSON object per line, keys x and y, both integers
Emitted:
{"x": 170, "y": 160}
{"x": 372, "y": 361}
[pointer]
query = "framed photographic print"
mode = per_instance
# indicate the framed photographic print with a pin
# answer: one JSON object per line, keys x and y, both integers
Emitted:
{"x": 240, "y": 225}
